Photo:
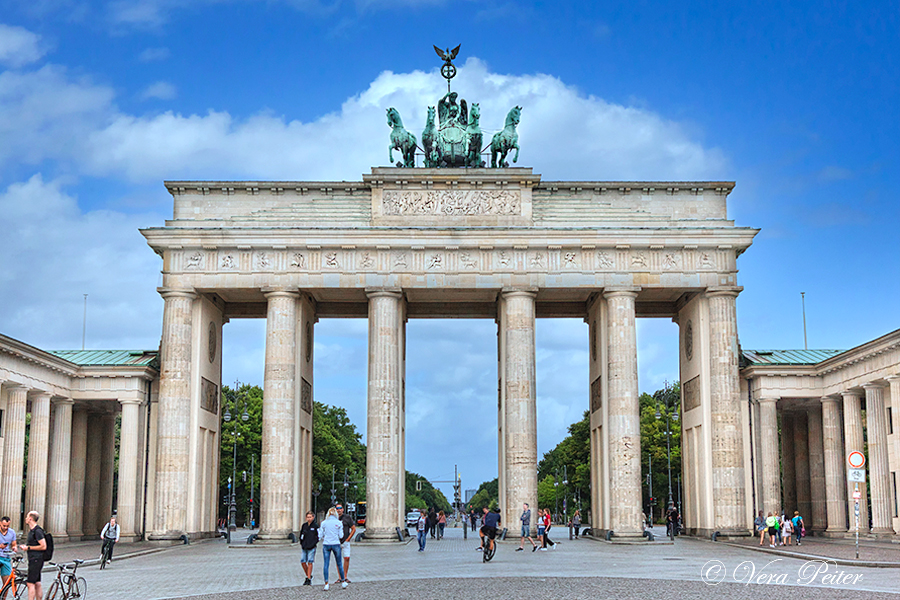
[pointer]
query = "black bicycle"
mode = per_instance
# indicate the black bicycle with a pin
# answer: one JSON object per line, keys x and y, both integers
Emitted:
{"x": 15, "y": 587}
{"x": 489, "y": 548}
{"x": 106, "y": 555}
{"x": 67, "y": 585}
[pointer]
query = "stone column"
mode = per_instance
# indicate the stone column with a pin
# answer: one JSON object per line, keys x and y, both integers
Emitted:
{"x": 38, "y": 445}
{"x": 173, "y": 417}
{"x": 729, "y": 494}
{"x": 384, "y": 413}
{"x": 835, "y": 484}
{"x": 14, "y": 455}
{"x": 624, "y": 416}
{"x": 276, "y": 469}
{"x": 92, "y": 475}
{"x": 520, "y": 405}
{"x": 107, "y": 468}
{"x": 769, "y": 455}
{"x": 816, "y": 469}
{"x": 788, "y": 474}
{"x": 75, "y": 521}
{"x": 801, "y": 465}
{"x": 129, "y": 452}
{"x": 879, "y": 470}
{"x": 60, "y": 462}
{"x": 853, "y": 441}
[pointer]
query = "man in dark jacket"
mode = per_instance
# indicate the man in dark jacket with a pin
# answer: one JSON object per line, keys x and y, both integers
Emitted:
{"x": 309, "y": 537}
{"x": 432, "y": 521}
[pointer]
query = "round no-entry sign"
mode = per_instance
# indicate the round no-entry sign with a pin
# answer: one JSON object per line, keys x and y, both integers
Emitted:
{"x": 856, "y": 459}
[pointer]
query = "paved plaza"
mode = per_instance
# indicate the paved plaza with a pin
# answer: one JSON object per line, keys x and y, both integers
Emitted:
{"x": 450, "y": 568}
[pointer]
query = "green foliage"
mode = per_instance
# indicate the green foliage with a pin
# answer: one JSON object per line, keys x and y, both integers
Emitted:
{"x": 568, "y": 462}
{"x": 653, "y": 445}
{"x": 337, "y": 446}
{"x": 248, "y": 447}
{"x": 488, "y": 494}
{"x": 427, "y": 497}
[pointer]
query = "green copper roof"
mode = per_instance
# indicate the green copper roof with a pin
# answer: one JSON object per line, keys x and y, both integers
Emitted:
{"x": 786, "y": 357}
{"x": 109, "y": 358}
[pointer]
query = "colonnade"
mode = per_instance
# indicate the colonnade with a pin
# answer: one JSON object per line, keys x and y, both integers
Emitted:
{"x": 70, "y": 479}
{"x": 815, "y": 442}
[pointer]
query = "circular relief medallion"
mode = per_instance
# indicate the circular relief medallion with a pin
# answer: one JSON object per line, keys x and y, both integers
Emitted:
{"x": 213, "y": 341}
{"x": 308, "y": 341}
{"x": 689, "y": 340}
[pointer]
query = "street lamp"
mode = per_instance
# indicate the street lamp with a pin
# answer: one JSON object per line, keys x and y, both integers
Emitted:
{"x": 671, "y": 411}
{"x": 232, "y": 483}
{"x": 556, "y": 492}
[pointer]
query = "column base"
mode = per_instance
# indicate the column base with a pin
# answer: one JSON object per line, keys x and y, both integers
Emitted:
{"x": 834, "y": 533}
{"x": 272, "y": 538}
{"x": 882, "y": 533}
{"x": 725, "y": 534}
{"x": 166, "y": 536}
{"x": 384, "y": 535}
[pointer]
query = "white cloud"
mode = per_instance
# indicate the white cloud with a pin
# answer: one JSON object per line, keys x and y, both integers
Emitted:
{"x": 154, "y": 54}
{"x": 52, "y": 253}
{"x": 18, "y": 46}
{"x": 161, "y": 90}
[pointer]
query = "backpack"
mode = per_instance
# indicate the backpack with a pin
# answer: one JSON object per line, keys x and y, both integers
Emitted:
{"x": 48, "y": 552}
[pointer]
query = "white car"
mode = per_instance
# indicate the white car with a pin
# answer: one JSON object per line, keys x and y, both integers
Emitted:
{"x": 412, "y": 518}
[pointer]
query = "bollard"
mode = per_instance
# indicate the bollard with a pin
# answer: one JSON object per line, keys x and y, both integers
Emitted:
{"x": 571, "y": 537}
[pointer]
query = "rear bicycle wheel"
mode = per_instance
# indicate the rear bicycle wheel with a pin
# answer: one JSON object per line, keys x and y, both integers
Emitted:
{"x": 53, "y": 592}
{"x": 77, "y": 588}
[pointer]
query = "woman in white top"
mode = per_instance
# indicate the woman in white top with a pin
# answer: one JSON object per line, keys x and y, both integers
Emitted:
{"x": 786, "y": 530}
{"x": 332, "y": 530}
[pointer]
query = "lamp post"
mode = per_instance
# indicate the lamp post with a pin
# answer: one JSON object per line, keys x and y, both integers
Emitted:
{"x": 316, "y": 501}
{"x": 565, "y": 492}
{"x": 232, "y": 483}
{"x": 556, "y": 493}
{"x": 671, "y": 410}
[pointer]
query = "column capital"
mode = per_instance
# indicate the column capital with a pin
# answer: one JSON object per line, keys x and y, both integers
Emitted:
{"x": 280, "y": 293}
{"x": 893, "y": 378}
{"x": 621, "y": 292}
{"x": 384, "y": 293}
{"x": 873, "y": 385}
{"x": 761, "y": 400}
{"x": 167, "y": 293}
{"x": 825, "y": 399}
{"x": 124, "y": 401}
{"x": 40, "y": 393}
{"x": 724, "y": 291}
{"x": 61, "y": 401}
{"x": 851, "y": 394}
{"x": 525, "y": 291}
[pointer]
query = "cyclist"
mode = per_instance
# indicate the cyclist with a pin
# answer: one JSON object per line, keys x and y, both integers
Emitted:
{"x": 489, "y": 529}
{"x": 109, "y": 535}
{"x": 7, "y": 548}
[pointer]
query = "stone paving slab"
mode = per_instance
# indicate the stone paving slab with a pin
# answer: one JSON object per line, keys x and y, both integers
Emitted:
{"x": 883, "y": 554}
{"x": 451, "y": 568}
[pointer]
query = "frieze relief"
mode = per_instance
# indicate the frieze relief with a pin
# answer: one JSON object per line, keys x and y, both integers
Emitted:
{"x": 452, "y": 203}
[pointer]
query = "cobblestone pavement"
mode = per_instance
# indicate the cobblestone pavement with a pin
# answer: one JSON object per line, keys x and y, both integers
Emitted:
{"x": 450, "y": 568}
{"x": 884, "y": 552}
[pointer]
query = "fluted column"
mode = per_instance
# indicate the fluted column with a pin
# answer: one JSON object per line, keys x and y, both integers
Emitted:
{"x": 173, "y": 417}
{"x": 816, "y": 469}
{"x": 107, "y": 468}
{"x": 624, "y": 416}
{"x": 853, "y": 441}
{"x": 77, "y": 466}
{"x": 769, "y": 455}
{"x": 879, "y": 469}
{"x": 729, "y": 494}
{"x": 835, "y": 484}
{"x": 788, "y": 477}
{"x": 14, "y": 455}
{"x": 92, "y": 475}
{"x": 385, "y": 409}
{"x": 39, "y": 441}
{"x": 801, "y": 464}
{"x": 520, "y": 408}
{"x": 60, "y": 462}
{"x": 276, "y": 470}
{"x": 126, "y": 504}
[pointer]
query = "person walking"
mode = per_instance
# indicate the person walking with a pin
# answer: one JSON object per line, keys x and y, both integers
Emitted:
{"x": 760, "y": 524}
{"x": 309, "y": 537}
{"x": 526, "y": 529}
{"x": 35, "y": 546}
{"x": 786, "y": 530}
{"x": 473, "y": 518}
{"x": 576, "y": 522}
{"x": 110, "y": 537}
{"x": 332, "y": 530}
{"x": 772, "y": 527}
{"x": 7, "y": 548}
{"x": 547, "y": 525}
{"x": 422, "y": 530}
{"x": 349, "y": 524}
{"x": 541, "y": 528}
{"x": 432, "y": 521}
{"x": 799, "y": 526}
{"x": 442, "y": 522}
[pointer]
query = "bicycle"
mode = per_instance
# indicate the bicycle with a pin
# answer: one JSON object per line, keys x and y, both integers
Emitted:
{"x": 105, "y": 556}
{"x": 67, "y": 585}
{"x": 489, "y": 548}
{"x": 15, "y": 582}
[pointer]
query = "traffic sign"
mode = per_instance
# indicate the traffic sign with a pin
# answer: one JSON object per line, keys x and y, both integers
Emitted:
{"x": 856, "y": 459}
{"x": 857, "y": 495}
{"x": 857, "y": 475}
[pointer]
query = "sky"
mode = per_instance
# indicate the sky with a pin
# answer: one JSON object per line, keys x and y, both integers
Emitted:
{"x": 797, "y": 102}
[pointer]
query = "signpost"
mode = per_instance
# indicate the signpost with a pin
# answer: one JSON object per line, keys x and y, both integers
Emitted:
{"x": 856, "y": 474}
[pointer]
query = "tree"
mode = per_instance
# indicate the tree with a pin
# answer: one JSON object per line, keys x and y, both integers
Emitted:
{"x": 487, "y": 495}
{"x": 571, "y": 457}
{"x": 249, "y": 447}
{"x": 427, "y": 497}
{"x": 653, "y": 446}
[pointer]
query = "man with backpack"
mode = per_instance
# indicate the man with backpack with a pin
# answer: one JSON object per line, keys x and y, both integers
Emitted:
{"x": 110, "y": 536}
{"x": 36, "y": 545}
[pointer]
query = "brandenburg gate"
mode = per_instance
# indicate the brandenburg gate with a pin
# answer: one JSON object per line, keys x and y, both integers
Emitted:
{"x": 438, "y": 242}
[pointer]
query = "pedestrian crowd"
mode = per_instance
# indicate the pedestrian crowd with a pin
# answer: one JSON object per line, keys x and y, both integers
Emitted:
{"x": 780, "y": 528}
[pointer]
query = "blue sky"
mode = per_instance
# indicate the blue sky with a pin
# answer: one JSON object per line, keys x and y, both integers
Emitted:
{"x": 797, "y": 102}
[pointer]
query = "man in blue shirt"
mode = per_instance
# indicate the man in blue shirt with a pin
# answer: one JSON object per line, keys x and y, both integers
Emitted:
{"x": 7, "y": 547}
{"x": 489, "y": 529}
